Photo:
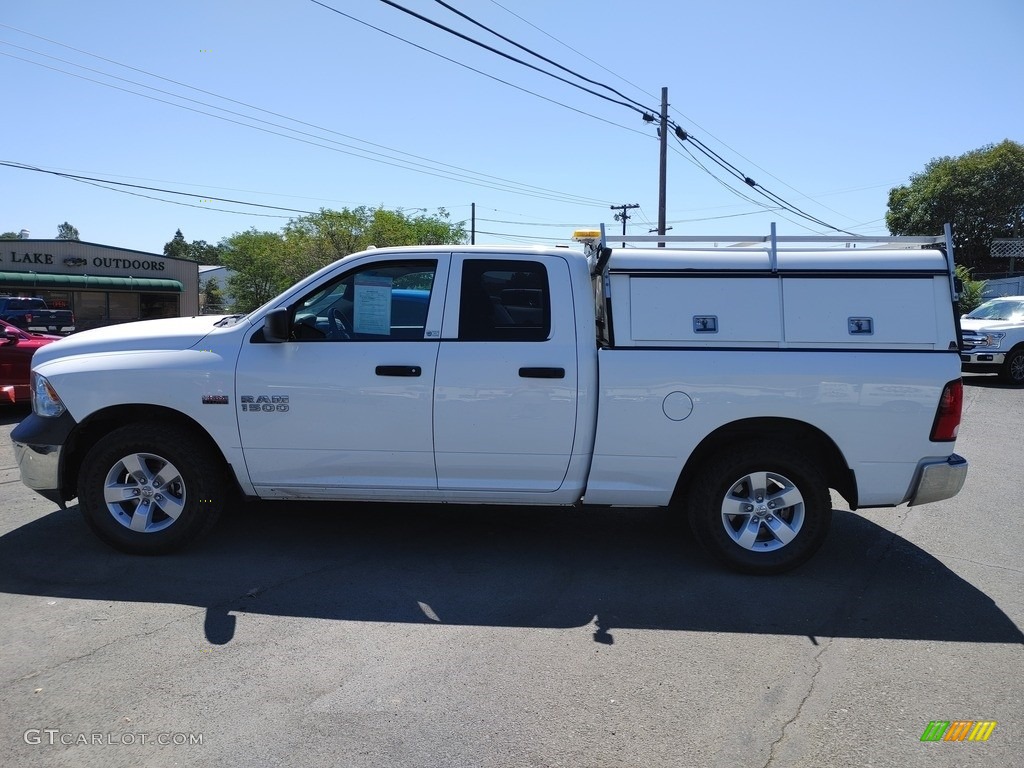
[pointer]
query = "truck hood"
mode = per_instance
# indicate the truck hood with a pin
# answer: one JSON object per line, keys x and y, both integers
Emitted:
{"x": 989, "y": 325}
{"x": 172, "y": 333}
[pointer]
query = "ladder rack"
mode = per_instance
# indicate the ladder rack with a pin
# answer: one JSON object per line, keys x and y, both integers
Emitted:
{"x": 598, "y": 246}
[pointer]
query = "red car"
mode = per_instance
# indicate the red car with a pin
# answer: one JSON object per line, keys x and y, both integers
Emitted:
{"x": 16, "y": 348}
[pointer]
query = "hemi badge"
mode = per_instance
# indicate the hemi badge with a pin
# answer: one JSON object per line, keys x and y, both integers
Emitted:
{"x": 215, "y": 399}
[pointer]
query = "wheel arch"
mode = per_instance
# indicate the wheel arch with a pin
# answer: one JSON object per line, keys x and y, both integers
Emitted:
{"x": 91, "y": 429}
{"x": 810, "y": 439}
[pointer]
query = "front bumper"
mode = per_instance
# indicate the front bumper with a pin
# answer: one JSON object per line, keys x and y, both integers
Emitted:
{"x": 982, "y": 357}
{"x": 38, "y": 448}
{"x": 938, "y": 480}
{"x": 40, "y": 468}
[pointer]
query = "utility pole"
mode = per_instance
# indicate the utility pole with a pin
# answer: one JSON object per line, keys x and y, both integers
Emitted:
{"x": 663, "y": 166}
{"x": 623, "y": 216}
{"x": 472, "y": 227}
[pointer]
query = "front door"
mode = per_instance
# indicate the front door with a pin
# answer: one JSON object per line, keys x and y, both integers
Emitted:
{"x": 346, "y": 403}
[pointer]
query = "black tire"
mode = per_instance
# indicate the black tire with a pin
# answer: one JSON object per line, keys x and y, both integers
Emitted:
{"x": 140, "y": 511}
{"x": 1012, "y": 371}
{"x": 739, "y": 522}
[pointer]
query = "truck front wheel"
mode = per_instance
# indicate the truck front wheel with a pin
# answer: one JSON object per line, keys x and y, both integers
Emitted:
{"x": 1013, "y": 368}
{"x": 150, "y": 488}
{"x": 761, "y": 509}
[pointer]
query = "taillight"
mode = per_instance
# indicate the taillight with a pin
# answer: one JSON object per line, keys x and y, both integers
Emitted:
{"x": 28, "y": 317}
{"x": 947, "y": 416}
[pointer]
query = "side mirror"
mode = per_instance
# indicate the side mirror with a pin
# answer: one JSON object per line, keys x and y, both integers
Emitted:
{"x": 277, "y": 325}
{"x": 11, "y": 337}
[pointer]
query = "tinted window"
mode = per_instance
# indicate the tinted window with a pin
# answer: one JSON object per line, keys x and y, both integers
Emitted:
{"x": 504, "y": 301}
{"x": 25, "y": 304}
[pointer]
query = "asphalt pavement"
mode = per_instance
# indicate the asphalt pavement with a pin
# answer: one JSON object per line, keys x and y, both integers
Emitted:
{"x": 396, "y": 636}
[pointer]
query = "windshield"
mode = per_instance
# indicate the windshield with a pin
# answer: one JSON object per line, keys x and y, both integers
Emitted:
{"x": 999, "y": 309}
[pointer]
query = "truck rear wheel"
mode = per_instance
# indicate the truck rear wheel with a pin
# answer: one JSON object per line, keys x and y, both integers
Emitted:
{"x": 762, "y": 509}
{"x": 150, "y": 488}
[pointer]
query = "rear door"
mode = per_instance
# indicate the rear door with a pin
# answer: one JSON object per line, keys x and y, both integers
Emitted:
{"x": 506, "y": 382}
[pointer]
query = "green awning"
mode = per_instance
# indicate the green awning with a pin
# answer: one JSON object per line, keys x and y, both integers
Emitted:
{"x": 89, "y": 282}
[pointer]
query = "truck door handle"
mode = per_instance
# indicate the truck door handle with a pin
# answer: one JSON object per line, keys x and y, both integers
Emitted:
{"x": 542, "y": 373}
{"x": 398, "y": 370}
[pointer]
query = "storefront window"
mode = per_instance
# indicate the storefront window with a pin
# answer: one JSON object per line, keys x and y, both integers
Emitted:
{"x": 154, "y": 305}
{"x": 124, "y": 307}
{"x": 55, "y": 299}
{"x": 90, "y": 309}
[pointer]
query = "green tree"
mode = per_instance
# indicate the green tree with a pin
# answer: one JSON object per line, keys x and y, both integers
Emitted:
{"x": 67, "y": 232}
{"x": 198, "y": 250}
{"x": 972, "y": 290}
{"x": 266, "y": 263}
{"x": 204, "y": 253}
{"x": 213, "y": 298}
{"x": 259, "y": 261}
{"x": 10, "y": 236}
{"x": 981, "y": 193}
{"x": 318, "y": 239}
{"x": 314, "y": 241}
{"x": 177, "y": 247}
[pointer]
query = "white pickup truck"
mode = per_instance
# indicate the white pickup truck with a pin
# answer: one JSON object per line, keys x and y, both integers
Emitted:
{"x": 734, "y": 385}
{"x": 993, "y": 339}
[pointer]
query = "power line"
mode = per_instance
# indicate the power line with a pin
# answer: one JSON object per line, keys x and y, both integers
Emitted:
{"x": 530, "y": 51}
{"x": 477, "y": 71}
{"x": 724, "y": 216}
{"x": 689, "y": 156}
{"x": 260, "y": 109}
{"x": 203, "y": 186}
{"x": 682, "y": 136}
{"x": 680, "y": 133}
{"x": 493, "y": 50}
{"x": 760, "y": 168}
{"x": 764, "y": 208}
{"x": 578, "y": 53}
{"x": 393, "y": 162}
{"x": 484, "y": 180}
{"x": 113, "y": 187}
{"x": 416, "y": 166}
{"x": 681, "y": 114}
{"x": 530, "y": 238}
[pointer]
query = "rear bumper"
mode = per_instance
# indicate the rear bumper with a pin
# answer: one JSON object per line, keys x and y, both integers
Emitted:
{"x": 938, "y": 480}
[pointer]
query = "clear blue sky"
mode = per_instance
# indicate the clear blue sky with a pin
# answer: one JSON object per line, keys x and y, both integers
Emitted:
{"x": 826, "y": 104}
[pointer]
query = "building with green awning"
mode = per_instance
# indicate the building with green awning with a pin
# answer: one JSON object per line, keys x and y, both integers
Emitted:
{"x": 101, "y": 284}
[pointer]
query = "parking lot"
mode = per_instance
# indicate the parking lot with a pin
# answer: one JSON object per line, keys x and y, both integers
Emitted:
{"x": 375, "y": 635}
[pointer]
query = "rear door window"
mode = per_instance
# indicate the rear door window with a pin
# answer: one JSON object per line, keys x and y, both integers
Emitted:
{"x": 504, "y": 300}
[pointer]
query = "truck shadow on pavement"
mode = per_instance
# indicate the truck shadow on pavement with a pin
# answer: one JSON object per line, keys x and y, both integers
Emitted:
{"x": 544, "y": 567}
{"x": 13, "y": 414}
